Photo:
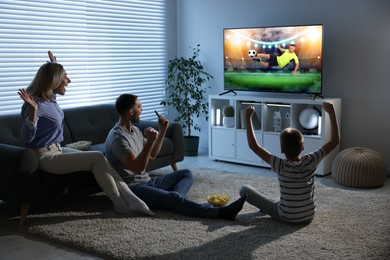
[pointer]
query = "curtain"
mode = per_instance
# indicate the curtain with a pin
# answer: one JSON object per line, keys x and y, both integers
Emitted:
{"x": 107, "y": 48}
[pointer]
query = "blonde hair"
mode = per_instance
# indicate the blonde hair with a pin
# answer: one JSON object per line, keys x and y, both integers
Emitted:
{"x": 49, "y": 76}
{"x": 291, "y": 141}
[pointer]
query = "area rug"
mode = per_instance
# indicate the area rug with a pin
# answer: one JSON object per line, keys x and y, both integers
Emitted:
{"x": 349, "y": 224}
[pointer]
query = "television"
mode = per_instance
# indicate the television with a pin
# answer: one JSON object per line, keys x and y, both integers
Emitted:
{"x": 262, "y": 59}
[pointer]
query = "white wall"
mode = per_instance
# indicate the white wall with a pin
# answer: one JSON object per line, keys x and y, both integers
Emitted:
{"x": 356, "y": 59}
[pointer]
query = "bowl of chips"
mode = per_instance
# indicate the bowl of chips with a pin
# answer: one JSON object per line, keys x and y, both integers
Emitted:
{"x": 218, "y": 200}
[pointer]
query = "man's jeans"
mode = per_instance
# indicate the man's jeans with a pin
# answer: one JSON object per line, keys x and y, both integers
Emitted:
{"x": 168, "y": 192}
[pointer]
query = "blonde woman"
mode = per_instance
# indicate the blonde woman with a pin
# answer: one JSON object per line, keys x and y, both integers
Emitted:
{"x": 43, "y": 128}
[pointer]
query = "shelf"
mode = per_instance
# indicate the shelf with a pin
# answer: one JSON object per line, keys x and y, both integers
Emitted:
{"x": 230, "y": 144}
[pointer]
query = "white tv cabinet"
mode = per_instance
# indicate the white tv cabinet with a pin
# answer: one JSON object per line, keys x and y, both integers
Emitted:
{"x": 230, "y": 144}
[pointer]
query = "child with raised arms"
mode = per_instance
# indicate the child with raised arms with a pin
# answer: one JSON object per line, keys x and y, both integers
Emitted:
{"x": 296, "y": 173}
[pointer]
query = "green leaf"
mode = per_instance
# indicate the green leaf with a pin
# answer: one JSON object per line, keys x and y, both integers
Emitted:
{"x": 185, "y": 91}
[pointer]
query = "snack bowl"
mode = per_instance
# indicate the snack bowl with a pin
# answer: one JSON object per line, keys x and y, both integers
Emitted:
{"x": 218, "y": 200}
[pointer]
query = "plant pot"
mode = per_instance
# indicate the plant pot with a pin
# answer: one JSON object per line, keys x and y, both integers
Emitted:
{"x": 228, "y": 121}
{"x": 191, "y": 145}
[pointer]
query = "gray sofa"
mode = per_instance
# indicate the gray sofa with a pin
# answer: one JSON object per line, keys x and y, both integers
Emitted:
{"x": 23, "y": 183}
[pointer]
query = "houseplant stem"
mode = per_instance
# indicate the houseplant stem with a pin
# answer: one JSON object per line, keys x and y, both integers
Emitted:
{"x": 186, "y": 92}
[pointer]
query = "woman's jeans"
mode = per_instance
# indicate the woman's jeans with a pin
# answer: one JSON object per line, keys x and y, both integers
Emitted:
{"x": 168, "y": 192}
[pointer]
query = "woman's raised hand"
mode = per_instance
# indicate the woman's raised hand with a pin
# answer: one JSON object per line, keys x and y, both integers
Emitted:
{"x": 52, "y": 57}
{"x": 27, "y": 98}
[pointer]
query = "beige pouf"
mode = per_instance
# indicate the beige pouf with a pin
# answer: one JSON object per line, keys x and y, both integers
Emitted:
{"x": 359, "y": 167}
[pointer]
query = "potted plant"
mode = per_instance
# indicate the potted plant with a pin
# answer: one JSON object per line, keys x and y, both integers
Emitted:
{"x": 187, "y": 95}
{"x": 228, "y": 116}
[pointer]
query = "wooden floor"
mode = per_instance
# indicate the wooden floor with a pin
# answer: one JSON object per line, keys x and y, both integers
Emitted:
{"x": 16, "y": 246}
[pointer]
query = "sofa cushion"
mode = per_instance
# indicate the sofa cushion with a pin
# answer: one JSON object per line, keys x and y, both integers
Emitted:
{"x": 98, "y": 147}
{"x": 90, "y": 123}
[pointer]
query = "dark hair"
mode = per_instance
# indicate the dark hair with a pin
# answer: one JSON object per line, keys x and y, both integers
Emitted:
{"x": 292, "y": 44}
{"x": 291, "y": 141}
{"x": 124, "y": 103}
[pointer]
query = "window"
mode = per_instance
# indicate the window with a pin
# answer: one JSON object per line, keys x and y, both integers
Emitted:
{"x": 107, "y": 48}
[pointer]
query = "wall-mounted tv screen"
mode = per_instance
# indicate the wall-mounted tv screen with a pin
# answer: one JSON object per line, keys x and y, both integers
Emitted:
{"x": 284, "y": 59}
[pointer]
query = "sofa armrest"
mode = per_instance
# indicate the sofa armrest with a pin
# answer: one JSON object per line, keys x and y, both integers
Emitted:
{"x": 174, "y": 132}
{"x": 18, "y": 173}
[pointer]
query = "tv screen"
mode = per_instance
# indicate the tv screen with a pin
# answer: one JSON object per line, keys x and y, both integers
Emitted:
{"x": 284, "y": 59}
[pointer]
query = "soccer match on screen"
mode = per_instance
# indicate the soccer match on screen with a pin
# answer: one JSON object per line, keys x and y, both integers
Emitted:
{"x": 275, "y": 59}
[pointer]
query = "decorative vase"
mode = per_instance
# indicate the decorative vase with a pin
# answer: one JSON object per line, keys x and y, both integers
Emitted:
{"x": 191, "y": 145}
{"x": 228, "y": 121}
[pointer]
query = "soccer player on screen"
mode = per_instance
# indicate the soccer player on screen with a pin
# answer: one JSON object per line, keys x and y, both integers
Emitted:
{"x": 280, "y": 60}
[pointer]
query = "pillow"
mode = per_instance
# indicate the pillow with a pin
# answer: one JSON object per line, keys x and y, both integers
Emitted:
{"x": 80, "y": 145}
